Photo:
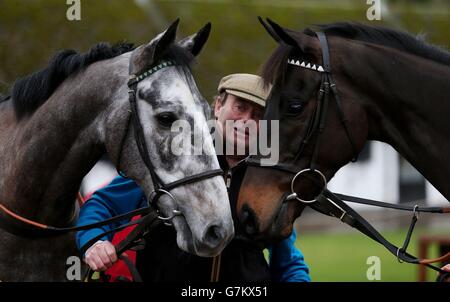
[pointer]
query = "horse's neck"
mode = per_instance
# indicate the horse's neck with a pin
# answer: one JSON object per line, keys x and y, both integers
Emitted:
{"x": 51, "y": 151}
{"x": 408, "y": 109}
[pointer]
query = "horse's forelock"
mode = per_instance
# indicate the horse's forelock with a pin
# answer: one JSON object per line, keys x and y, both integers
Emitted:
{"x": 275, "y": 67}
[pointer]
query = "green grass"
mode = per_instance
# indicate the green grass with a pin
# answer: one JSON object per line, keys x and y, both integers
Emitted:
{"x": 342, "y": 257}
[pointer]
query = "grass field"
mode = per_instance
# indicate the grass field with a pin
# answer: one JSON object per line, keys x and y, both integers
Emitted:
{"x": 343, "y": 256}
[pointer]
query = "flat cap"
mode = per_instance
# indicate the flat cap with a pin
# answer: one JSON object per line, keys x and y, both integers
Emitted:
{"x": 247, "y": 86}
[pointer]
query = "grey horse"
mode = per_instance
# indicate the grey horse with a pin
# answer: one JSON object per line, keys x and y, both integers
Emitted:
{"x": 62, "y": 119}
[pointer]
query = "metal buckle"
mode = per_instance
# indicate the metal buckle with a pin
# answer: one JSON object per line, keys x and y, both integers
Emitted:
{"x": 344, "y": 212}
{"x": 343, "y": 215}
{"x": 415, "y": 212}
{"x": 174, "y": 212}
{"x": 398, "y": 256}
{"x": 294, "y": 195}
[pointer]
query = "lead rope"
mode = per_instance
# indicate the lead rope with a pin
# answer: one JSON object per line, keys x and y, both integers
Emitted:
{"x": 215, "y": 271}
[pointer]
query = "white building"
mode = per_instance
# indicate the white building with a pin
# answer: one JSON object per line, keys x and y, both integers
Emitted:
{"x": 382, "y": 174}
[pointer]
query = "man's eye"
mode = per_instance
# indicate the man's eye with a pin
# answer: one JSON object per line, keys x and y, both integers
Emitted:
{"x": 166, "y": 119}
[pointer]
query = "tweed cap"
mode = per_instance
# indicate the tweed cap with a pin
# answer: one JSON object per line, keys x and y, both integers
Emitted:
{"x": 247, "y": 86}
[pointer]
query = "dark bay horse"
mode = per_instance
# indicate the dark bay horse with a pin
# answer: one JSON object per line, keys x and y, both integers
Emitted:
{"x": 62, "y": 119}
{"x": 392, "y": 87}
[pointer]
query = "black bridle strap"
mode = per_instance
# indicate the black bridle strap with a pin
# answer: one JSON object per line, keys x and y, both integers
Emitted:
{"x": 349, "y": 216}
{"x": 143, "y": 224}
{"x": 146, "y": 222}
{"x": 98, "y": 237}
{"x": 332, "y": 85}
{"x": 319, "y": 117}
{"x": 137, "y": 126}
{"x": 140, "y": 137}
{"x": 325, "y": 51}
{"x": 343, "y": 119}
{"x": 376, "y": 203}
{"x": 309, "y": 133}
{"x": 332, "y": 204}
{"x": 193, "y": 178}
{"x": 323, "y": 101}
{"x": 293, "y": 170}
{"x": 122, "y": 143}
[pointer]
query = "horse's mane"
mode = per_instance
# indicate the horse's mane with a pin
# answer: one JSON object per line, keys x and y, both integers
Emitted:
{"x": 387, "y": 37}
{"x": 275, "y": 65}
{"x": 33, "y": 90}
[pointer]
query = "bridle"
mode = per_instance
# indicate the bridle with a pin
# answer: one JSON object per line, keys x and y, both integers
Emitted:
{"x": 327, "y": 202}
{"x": 159, "y": 187}
{"x": 150, "y": 218}
{"x": 317, "y": 122}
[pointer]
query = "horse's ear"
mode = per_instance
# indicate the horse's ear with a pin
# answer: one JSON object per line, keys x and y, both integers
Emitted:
{"x": 146, "y": 55}
{"x": 296, "y": 39}
{"x": 283, "y": 34}
{"x": 269, "y": 30}
{"x": 195, "y": 43}
{"x": 158, "y": 45}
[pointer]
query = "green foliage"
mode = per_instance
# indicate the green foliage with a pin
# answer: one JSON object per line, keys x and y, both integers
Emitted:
{"x": 32, "y": 30}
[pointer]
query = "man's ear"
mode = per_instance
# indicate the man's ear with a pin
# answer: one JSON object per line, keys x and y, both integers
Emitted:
{"x": 195, "y": 43}
{"x": 150, "y": 53}
{"x": 217, "y": 106}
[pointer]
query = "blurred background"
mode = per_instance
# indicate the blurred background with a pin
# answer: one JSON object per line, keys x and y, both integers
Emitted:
{"x": 31, "y": 31}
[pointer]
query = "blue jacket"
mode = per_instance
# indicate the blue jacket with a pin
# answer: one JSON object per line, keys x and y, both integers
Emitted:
{"x": 122, "y": 195}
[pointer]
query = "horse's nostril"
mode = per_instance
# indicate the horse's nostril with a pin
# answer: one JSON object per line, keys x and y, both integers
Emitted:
{"x": 214, "y": 236}
{"x": 249, "y": 222}
{"x": 213, "y": 233}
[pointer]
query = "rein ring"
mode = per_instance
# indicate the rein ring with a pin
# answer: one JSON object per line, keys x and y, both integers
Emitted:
{"x": 294, "y": 195}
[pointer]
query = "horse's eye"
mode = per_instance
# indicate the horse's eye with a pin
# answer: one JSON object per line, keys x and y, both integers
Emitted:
{"x": 166, "y": 119}
{"x": 295, "y": 107}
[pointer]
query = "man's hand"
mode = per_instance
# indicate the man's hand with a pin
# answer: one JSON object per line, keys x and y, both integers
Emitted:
{"x": 447, "y": 269}
{"x": 101, "y": 256}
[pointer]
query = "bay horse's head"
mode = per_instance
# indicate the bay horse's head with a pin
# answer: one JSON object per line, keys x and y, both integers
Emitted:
{"x": 141, "y": 137}
{"x": 313, "y": 139}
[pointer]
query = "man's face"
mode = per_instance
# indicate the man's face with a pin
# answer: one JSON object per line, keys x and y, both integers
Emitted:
{"x": 238, "y": 110}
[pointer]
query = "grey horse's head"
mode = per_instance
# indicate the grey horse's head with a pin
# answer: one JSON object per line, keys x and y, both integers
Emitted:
{"x": 163, "y": 98}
